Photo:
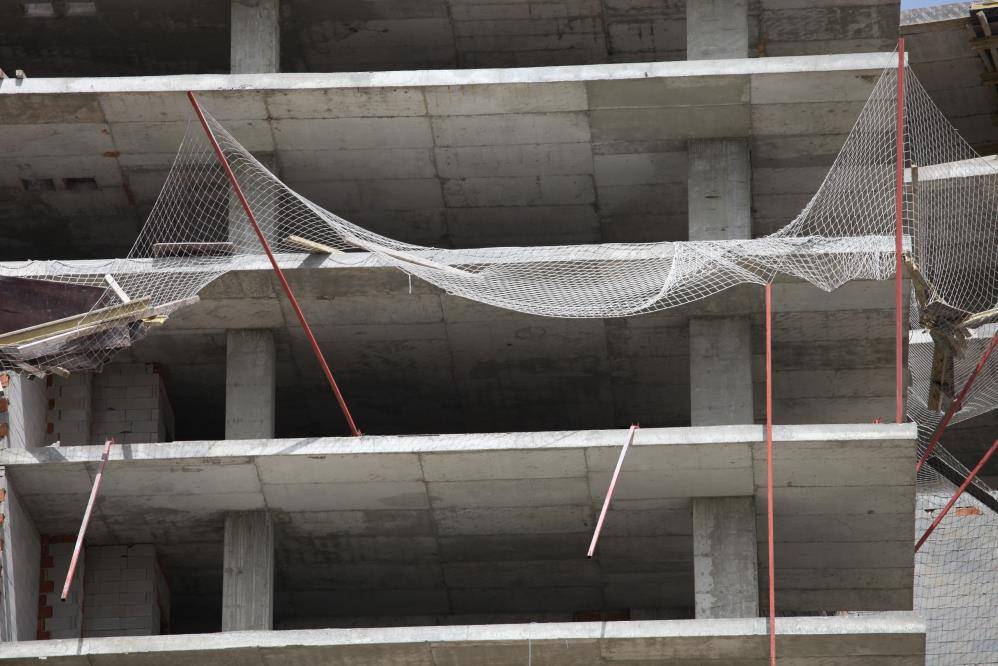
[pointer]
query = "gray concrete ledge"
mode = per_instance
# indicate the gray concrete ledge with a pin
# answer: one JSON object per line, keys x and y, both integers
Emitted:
{"x": 807, "y": 639}
{"x": 568, "y": 439}
{"x": 451, "y": 77}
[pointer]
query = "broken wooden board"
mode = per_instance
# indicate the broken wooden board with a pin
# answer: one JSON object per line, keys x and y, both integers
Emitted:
{"x": 309, "y": 246}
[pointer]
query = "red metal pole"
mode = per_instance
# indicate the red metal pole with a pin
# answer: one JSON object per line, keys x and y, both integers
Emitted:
{"x": 86, "y": 519}
{"x": 769, "y": 472}
{"x": 611, "y": 489}
{"x": 949, "y": 505}
{"x": 898, "y": 240}
{"x": 957, "y": 403}
{"x": 277, "y": 269}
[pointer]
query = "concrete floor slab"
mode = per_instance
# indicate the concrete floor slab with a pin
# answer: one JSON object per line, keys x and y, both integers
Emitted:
{"x": 383, "y": 514}
{"x": 897, "y": 638}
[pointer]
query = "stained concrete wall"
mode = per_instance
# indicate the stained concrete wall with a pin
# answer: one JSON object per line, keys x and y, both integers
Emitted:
{"x": 20, "y": 553}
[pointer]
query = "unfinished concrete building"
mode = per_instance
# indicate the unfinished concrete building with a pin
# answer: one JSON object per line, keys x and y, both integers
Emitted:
{"x": 237, "y": 522}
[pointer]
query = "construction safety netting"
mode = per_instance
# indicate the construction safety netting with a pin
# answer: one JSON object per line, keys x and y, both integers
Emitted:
{"x": 198, "y": 230}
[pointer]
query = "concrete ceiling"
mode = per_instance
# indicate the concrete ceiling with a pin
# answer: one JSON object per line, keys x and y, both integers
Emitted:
{"x": 894, "y": 638}
{"x": 477, "y": 528}
{"x": 457, "y": 158}
{"x": 950, "y": 70}
{"x": 139, "y": 37}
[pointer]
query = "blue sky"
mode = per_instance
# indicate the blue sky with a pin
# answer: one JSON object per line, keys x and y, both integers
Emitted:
{"x": 912, "y": 4}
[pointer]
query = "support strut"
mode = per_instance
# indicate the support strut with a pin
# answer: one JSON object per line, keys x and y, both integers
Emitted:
{"x": 769, "y": 472}
{"x": 898, "y": 243}
{"x": 610, "y": 490}
{"x": 277, "y": 269}
{"x": 86, "y": 519}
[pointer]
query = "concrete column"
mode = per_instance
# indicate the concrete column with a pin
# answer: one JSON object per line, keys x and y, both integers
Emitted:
{"x": 27, "y": 414}
{"x": 724, "y": 540}
{"x": 720, "y": 207}
{"x": 20, "y": 557}
{"x": 250, "y": 384}
{"x": 725, "y": 566}
{"x": 255, "y": 41}
{"x": 248, "y": 576}
{"x": 716, "y": 29}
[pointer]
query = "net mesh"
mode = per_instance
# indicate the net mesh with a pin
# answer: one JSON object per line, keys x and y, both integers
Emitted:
{"x": 198, "y": 230}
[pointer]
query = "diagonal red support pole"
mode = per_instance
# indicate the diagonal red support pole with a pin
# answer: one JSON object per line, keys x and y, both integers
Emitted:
{"x": 957, "y": 403}
{"x": 610, "y": 490}
{"x": 86, "y": 519}
{"x": 963, "y": 486}
{"x": 898, "y": 241}
{"x": 277, "y": 269}
{"x": 769, "y": 472}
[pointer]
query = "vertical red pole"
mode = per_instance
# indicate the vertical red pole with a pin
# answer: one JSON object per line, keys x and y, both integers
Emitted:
{"x": 769, "y": 472}
{"x": 277, "y": 269}
{"x": 957, "y": 403}
{"x": 86, "y": 519}
{"x": 949, "y": 505}
{"x": 898, "y": 240}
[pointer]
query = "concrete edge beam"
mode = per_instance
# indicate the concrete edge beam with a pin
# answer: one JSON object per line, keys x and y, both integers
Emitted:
{"x": 309, "y": 446}
{"x": 892, "y": 624}
{"x": 853, "y": 62}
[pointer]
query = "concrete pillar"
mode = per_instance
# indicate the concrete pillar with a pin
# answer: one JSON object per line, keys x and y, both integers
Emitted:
{"x": 725, "y": 566}
{"x": 255, "y": 41}
{"x": 248, "y": 576}
{"x": 250, "y": 384}
{"x": 27, "y": 411}
{"x": 20, "y": 558}
{"x": 716, "y": 29}
{"x": 720, "y": 207}
{"x": 724, "y": 540}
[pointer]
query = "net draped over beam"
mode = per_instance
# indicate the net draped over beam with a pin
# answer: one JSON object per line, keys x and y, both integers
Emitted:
{"x": 197, "y": 231}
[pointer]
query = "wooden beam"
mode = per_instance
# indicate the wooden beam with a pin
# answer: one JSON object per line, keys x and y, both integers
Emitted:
{"x": 312, "y": 247}
{"x": 191, "y": 249}
{"x": 984, "y": 43}
{"x": 59, "y": 326}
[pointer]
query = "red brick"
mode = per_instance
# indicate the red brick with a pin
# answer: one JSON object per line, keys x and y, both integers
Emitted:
{"x": 48, "y": 562}
{"x": 42, "y": 635}
{"x": 49, "y": 428}
{"x": 44, "y": 611}
{"x": 3, "y": 429}
{"x": 46, "y": 586}
{"x": 62, "y": 538}
{"x": 3, "y": 405}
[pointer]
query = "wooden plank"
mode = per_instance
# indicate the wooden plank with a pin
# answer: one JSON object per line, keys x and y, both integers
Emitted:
{"x": 116, "y": 288}
{"x": 984, "y": 43}
{"x": 982, "y": 18}
{"x": 191, "y": 249}
{"x": 310, "y": 246}
{"x": 49, "y": 329}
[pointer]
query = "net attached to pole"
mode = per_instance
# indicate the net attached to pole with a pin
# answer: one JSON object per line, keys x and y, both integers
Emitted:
{"x": 197, "y": 231}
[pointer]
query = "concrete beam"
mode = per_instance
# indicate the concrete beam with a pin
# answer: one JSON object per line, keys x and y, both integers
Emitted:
{"x": 248, "y": 575}
{"x": 250, "y": 384}
{"x": 716, "y": 29}
{"x": 725, "y": 565}
{"x": 897, "y": 638}
{"x": 255, "y": 46}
